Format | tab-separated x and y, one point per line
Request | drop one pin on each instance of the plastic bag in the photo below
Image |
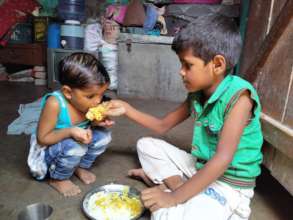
108	54
93	37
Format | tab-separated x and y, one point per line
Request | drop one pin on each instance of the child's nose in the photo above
182	71
97	101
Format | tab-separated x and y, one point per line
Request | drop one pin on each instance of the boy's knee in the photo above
145	145
101	137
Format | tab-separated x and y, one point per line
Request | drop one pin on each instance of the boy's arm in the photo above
159	125
47	135
229	140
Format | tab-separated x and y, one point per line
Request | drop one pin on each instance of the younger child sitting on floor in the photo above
69	143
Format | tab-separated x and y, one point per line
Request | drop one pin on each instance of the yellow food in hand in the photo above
98	112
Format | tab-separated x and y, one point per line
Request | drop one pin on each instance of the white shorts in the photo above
219	201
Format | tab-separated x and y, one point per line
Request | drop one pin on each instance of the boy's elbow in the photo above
162	129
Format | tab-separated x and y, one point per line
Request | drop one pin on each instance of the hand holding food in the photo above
116	108
97	113
106	122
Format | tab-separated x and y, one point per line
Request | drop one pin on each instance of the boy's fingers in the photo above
111	113
112	105
149	190
154	208
144	192
149	203
146	196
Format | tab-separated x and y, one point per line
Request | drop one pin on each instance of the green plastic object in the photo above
48	7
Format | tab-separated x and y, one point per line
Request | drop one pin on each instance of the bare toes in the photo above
85	176
135	172
65	187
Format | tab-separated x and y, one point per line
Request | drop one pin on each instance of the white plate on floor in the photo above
110	188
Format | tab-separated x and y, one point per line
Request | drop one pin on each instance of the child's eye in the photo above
189	65
90	96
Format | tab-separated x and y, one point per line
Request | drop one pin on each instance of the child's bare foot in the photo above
85	176
65	187
139	173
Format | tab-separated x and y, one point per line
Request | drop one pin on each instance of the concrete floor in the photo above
18	189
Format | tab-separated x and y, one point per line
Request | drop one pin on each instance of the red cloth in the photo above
13	12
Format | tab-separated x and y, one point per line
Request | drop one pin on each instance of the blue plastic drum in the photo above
71	10
54	35
72	36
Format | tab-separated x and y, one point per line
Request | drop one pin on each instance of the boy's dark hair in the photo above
80	70
209	36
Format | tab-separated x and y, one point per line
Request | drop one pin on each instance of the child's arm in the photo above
47	135
229	140
159	125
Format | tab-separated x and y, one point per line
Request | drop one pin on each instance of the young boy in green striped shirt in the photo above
216	179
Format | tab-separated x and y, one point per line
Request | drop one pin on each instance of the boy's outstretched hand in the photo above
154	198
116	108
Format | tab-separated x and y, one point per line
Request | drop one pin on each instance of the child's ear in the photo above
219	65
66	90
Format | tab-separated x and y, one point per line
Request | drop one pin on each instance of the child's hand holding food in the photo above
107	122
